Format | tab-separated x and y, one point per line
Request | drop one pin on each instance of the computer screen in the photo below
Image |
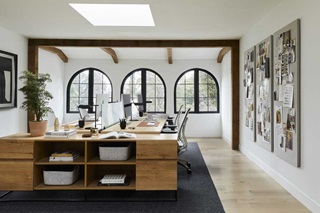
101	99
126	100
140	102
111	113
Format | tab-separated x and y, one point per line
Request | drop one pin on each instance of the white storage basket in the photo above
60	175
114	151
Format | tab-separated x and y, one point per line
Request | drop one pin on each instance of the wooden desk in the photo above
152	166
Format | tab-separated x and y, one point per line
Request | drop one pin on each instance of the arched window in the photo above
197	89
83	87
148	83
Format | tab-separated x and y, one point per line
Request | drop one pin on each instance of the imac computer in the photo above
101	99
111	114
126	100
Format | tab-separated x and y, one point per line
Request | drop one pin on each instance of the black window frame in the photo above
90	87
196	91
144	86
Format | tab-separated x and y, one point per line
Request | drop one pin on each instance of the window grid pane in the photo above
154	89
206	97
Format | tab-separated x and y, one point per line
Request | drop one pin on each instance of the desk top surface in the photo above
151	124
78	137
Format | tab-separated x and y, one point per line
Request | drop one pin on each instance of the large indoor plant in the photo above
36	100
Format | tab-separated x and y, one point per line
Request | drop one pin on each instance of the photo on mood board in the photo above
291	120
289	144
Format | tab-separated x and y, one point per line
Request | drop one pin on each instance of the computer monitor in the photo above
101	99
126	100
140	102
111	113
134	112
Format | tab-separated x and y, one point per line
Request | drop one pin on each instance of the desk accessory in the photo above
81	123
56	124
86	135
123	123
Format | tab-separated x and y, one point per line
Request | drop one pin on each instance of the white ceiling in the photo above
174	19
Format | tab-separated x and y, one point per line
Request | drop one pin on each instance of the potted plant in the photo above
36	100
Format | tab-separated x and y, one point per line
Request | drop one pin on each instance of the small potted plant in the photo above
36	100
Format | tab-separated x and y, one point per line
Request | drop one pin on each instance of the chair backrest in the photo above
177	118
182	140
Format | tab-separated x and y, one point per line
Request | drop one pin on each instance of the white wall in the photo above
302	182
52	64
13	120
225	87
199	125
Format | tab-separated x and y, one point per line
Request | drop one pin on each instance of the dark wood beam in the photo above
235	94
222	52
33	65
56	51
132	43
169	55
112	53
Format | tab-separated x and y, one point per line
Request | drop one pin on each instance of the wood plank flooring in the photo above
242	186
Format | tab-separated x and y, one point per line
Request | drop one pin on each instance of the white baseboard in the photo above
226	139
285	183
202	135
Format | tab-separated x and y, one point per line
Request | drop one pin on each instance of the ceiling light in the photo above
116	14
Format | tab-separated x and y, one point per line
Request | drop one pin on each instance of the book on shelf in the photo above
54	158
63	154
116	135
61	133
113	179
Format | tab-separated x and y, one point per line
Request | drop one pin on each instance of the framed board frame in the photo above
286	93
8	79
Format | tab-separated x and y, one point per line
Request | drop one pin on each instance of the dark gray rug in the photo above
196	193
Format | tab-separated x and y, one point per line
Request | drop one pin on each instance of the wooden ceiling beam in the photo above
222	52
112	53
169	55
56	51
132	43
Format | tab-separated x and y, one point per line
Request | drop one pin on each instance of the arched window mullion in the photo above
196	91
144	87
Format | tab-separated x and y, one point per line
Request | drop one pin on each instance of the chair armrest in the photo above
171	126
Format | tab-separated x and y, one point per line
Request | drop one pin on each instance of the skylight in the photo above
116	14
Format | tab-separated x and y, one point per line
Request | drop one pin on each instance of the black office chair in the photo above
174	123
183	143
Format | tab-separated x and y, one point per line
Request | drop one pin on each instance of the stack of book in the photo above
64	156
113	179
60	133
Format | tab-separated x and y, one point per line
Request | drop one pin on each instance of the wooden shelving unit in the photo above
92	169
151	166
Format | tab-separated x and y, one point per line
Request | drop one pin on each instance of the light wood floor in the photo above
243	186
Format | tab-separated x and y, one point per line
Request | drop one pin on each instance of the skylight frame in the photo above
125	15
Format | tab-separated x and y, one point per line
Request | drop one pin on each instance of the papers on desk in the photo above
60	133
151	123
